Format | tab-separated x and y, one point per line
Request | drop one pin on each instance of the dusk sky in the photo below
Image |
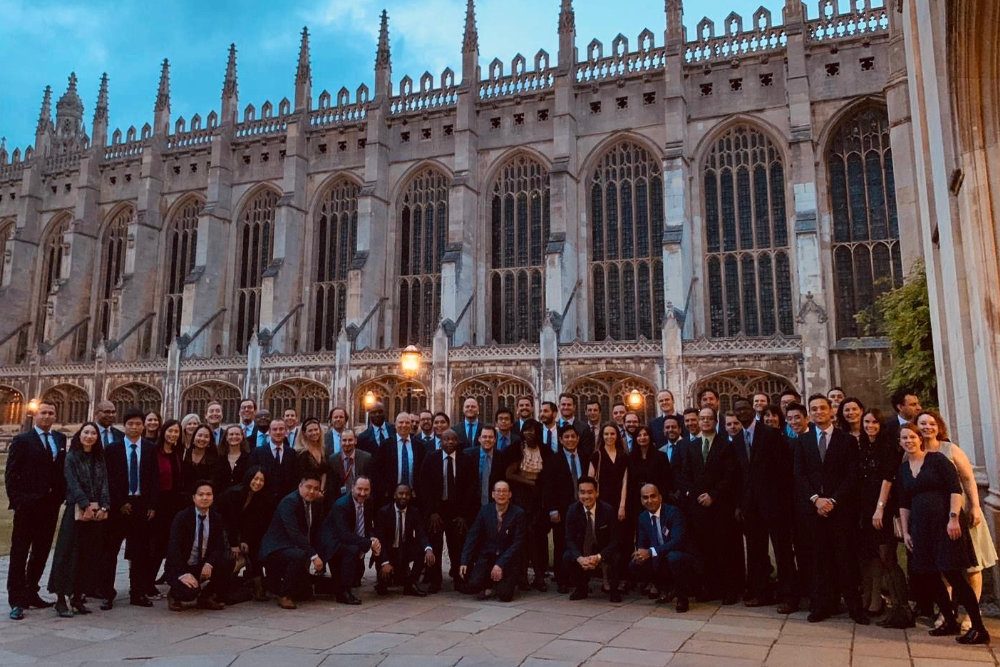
42	41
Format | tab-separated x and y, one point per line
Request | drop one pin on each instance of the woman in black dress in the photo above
311	457
246	510
609	466
171	498
75	563
234	459
647	465
200	461
930	507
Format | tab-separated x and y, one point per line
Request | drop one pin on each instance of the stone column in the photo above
440	389
550	381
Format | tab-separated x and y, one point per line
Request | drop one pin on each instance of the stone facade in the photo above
288	252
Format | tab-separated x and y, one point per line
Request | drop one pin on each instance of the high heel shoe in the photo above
974	636
78	606
61	609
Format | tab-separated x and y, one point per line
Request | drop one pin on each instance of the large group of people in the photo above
763	504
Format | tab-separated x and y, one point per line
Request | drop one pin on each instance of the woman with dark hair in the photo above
849	416
647	465
609	466
878	464
151	425
930	510
171	498
773	416
312	457
246	511
75	565
523	463
201	460
234	458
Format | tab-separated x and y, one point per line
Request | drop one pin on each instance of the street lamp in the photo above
369	400
32	409
635	400
409	363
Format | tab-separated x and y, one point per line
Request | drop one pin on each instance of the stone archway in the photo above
196	398
307	398
136	395
741	383
610	388
71	402
393	391
492	392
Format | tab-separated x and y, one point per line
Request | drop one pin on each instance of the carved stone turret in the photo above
303	75
230	89
383	60
100	126
161	111
470	47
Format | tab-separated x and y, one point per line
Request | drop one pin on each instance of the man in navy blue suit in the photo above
36	488
664	552
277	460
348	534
591	540
494	547
290	548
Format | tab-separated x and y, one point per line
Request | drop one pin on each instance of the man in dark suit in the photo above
425	431
907	406
378	432
405	548
348	533
447	497
594	421
707	492
525	411
547	417
664	553
398	461
591	541
493	553
277	459
826	478
665	402
567	414
290	548
198	565
506	433
105	414
765	507
36	488
558	486
338	426
487	465
133	486
248	408
347	465
469	427
213	417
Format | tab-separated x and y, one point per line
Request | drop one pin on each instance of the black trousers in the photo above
758	530
288	573
834	563
673	569
454	536
168	504
136	531
407	565
559	567
216	587
580	578
537	542
720	543
479	577
30	541
347	566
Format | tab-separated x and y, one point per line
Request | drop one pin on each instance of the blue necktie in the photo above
503	442
50	443
469	430
405	467
133	471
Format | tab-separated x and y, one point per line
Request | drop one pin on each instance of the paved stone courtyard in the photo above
545	630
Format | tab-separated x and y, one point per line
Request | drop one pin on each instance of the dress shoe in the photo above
210	603
140	601
348	598
682	605
107	604
16	613
755	602
579	594
563	589
974	636
62	609
729	600
287	603
174	605
817	616
414	591
77	605
945	629
540	585
36	602
525	586
787	608
615	595
484	594
434	588
860	617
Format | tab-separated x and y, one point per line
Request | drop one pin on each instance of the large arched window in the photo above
136	395
52	256
606	389
307	398
395	393
492	392
196	398
182	242
11	406
746	233
866	254
626	222
112	269
423	228
71	402
336	242
256	243
519	230
741	384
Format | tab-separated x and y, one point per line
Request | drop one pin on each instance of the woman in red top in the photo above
171	499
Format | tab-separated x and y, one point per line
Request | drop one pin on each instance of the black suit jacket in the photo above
506	544
461	499
556	482
183	533
673	524
366	440
513	438
149	474
385	469
765	474
385	531
31	474
715	476
280	479
117	435
605	530
496	472
835	477
458	426
339	528
656	426
289	528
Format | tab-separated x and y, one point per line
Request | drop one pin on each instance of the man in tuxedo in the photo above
425	433
525	411
618	412
487	465
36	488
665	403
906	404
567	413
493	553
290	549
550	428
347	465
765	507
405	548
664	553
277	459
448	500
338	426
133	487
198	566
348	534
397	462
707	488
105	413
469	426
591	541
378	432
506	434
674	442
558	487
213	417
826	479
248	409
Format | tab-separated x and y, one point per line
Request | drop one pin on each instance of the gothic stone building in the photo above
707	210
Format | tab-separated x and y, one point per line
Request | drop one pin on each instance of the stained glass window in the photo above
256	243
519	230
182	242
866	253
52	255
336	243
112	270
626	261
749	290
423	229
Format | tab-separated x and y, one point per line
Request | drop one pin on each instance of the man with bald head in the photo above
469	426
277	461
105	414
397	461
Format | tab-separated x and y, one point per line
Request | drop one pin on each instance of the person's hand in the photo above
824	506
435	523
877	519
621	513
150	514
317	563
100	515
188	580
462	569
908	541
496	574
376	546
954	529
206	571
705	500
641	555
386	569
977	516
554	516
429	560
126	509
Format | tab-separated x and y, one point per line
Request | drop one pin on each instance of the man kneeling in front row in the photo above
664	552
591	541
405	548
197	566
494	547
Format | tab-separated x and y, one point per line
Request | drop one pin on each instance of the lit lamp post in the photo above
26	423
409	364
369	400
634	400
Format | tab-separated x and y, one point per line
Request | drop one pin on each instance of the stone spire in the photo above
567	35
383	60
100	129
675	24
3	150
470	40
303	75
45	117
567	17
161	111
69	111
230	91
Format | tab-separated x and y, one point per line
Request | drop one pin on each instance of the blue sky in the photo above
42	41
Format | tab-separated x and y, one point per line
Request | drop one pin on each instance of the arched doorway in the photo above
196	398
610	388
395	392
492	392
136	395
307	398
741	383
71	402
11	406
